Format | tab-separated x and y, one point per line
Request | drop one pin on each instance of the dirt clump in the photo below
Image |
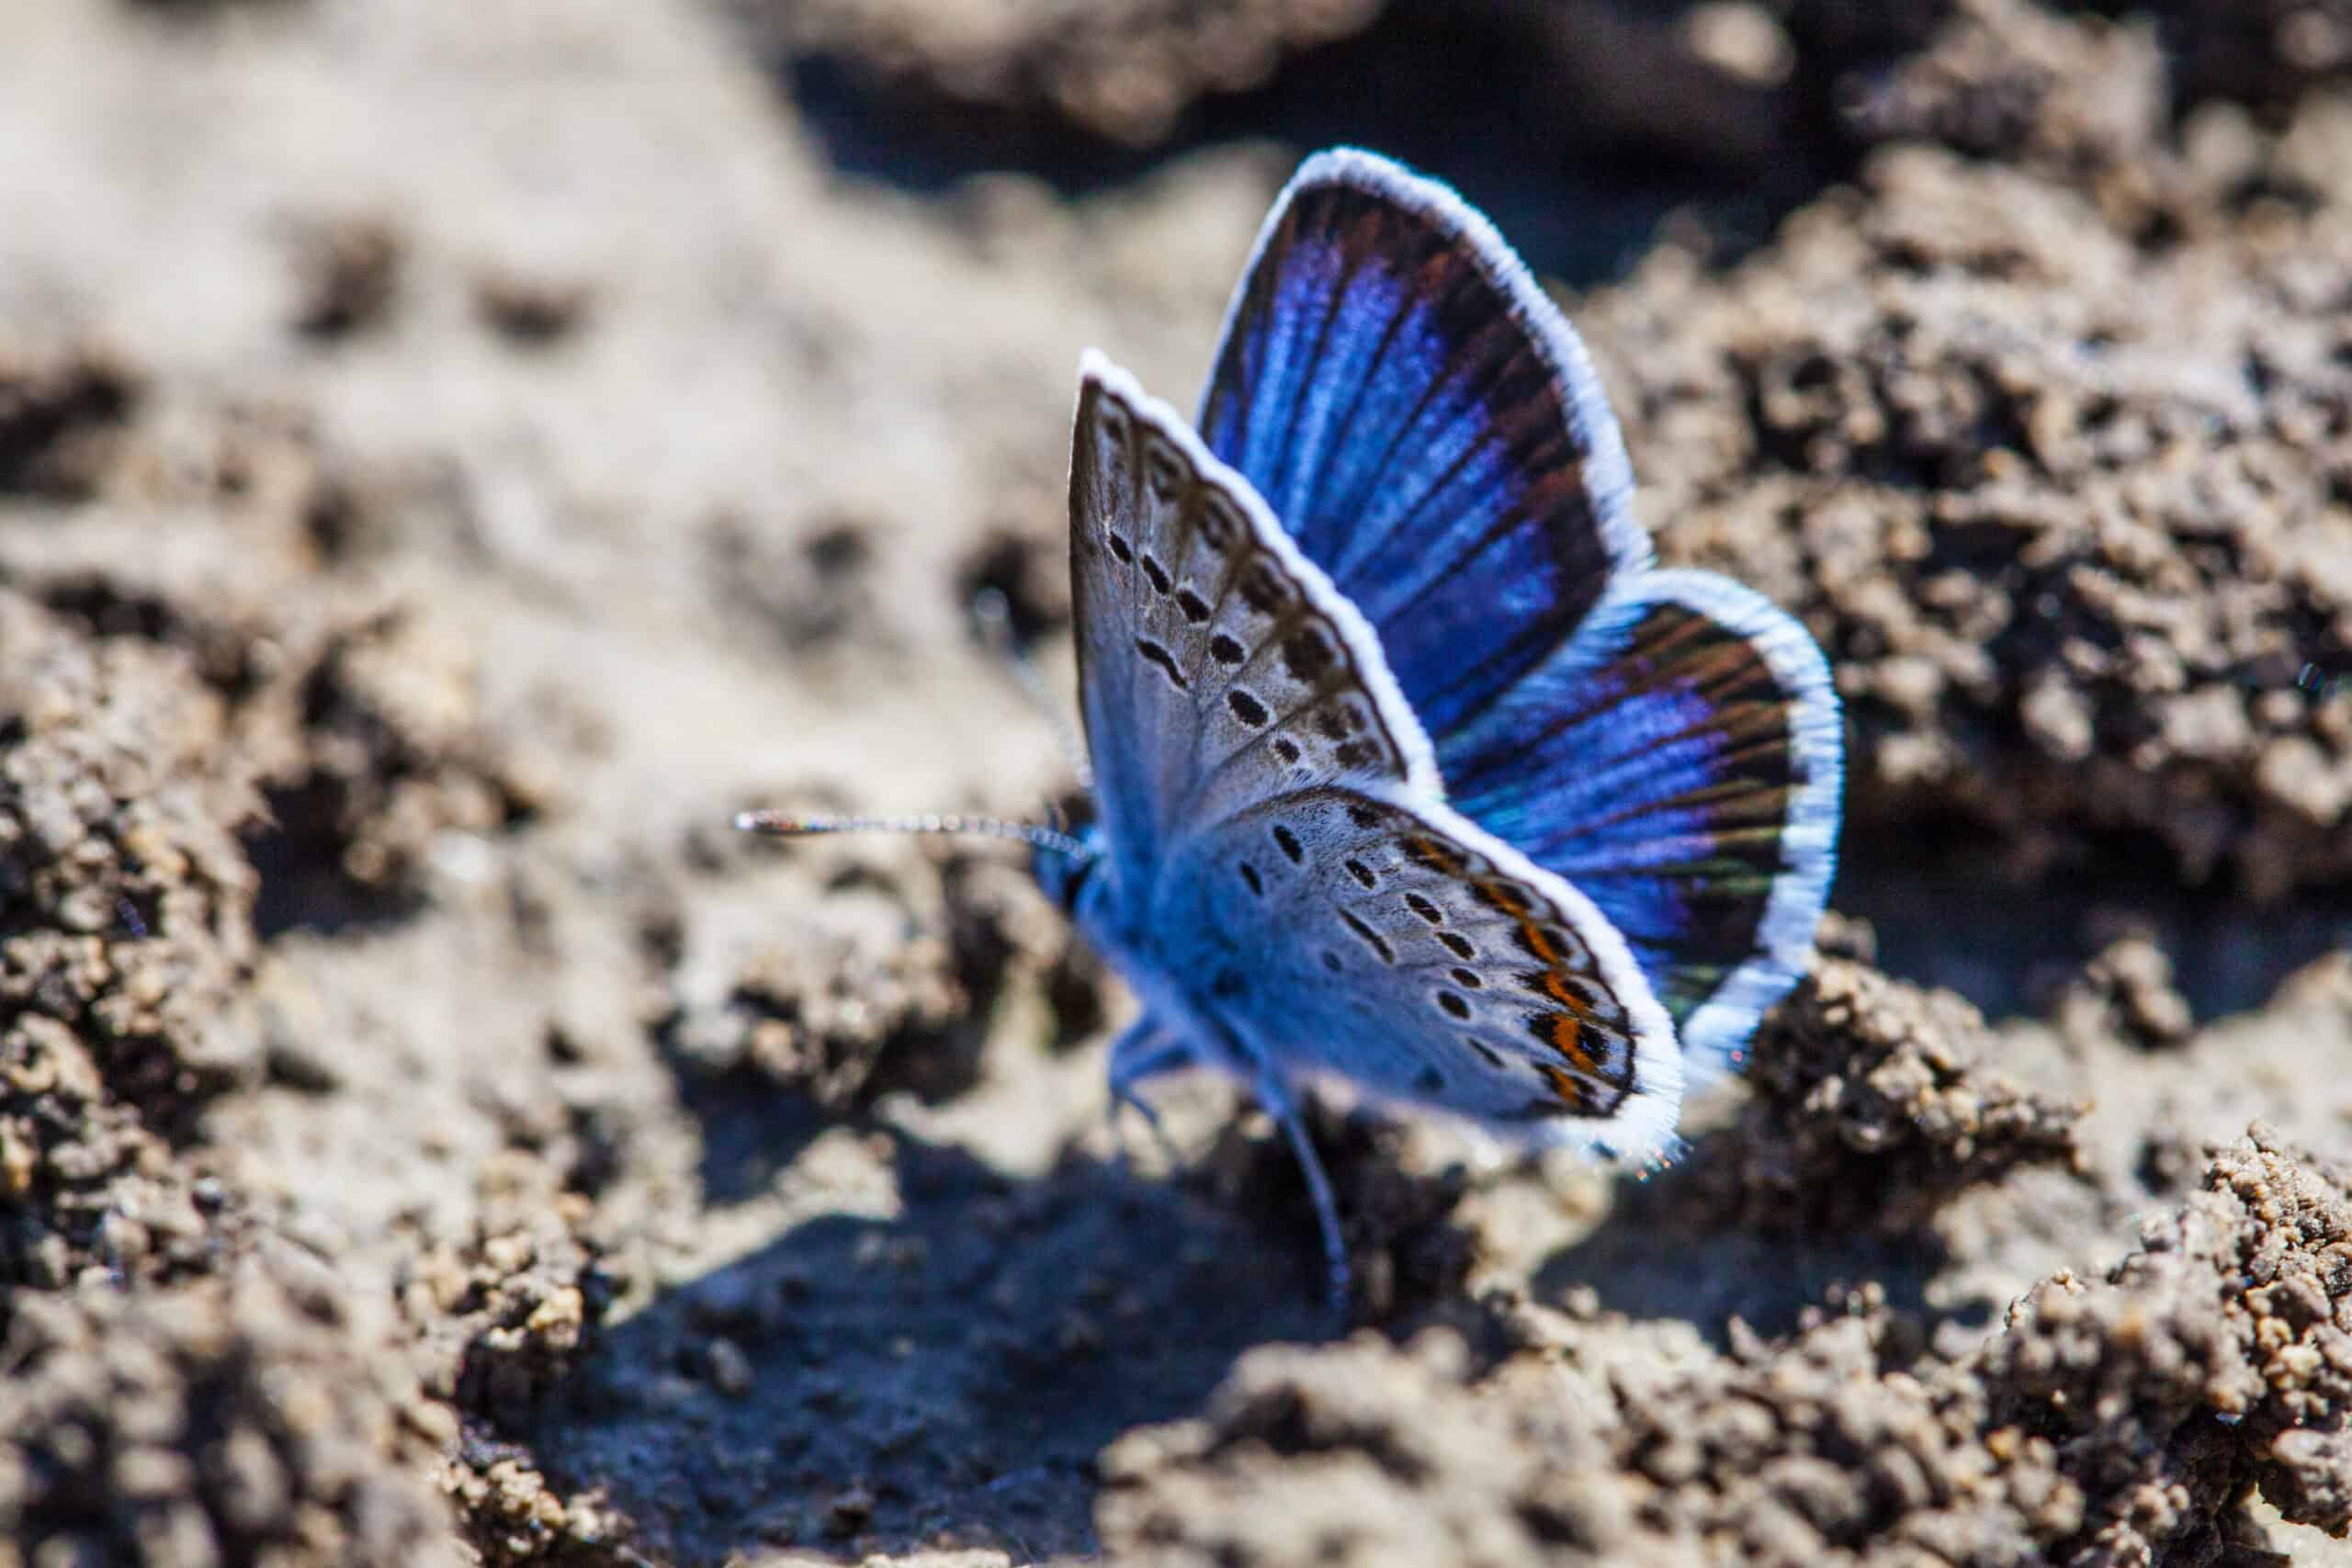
61	414
1874	1103
2105	1421
130	901
248	1417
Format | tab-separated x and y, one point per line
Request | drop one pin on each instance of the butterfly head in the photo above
1065	869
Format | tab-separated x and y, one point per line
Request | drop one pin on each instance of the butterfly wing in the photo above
1426	425
1255	762
1396	943
1681	763
1215	662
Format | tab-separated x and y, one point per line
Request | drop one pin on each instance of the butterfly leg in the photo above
1275	1095
1145	1049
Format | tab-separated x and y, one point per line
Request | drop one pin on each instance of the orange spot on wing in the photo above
1572	1093
1428	853
1557	986
1566	1034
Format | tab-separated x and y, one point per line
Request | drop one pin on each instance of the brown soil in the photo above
454	458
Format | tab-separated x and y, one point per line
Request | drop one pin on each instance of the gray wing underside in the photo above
1397	945
1216	663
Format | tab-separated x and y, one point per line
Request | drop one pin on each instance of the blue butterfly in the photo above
1410	768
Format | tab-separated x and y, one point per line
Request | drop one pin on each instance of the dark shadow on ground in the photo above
1579	175
1944	916
1655	1256
751	1131
863	1385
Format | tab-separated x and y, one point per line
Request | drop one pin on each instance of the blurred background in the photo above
454	455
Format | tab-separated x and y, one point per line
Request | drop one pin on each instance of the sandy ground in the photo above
452	457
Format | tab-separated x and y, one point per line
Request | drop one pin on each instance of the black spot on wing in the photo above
1287	841
1195	608
1249	875
1306	654
1164	660
1247	709
1264	586
1372	939
1225	650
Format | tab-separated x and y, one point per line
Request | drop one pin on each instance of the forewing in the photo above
1681	763
1217	664
1396	944
1426	425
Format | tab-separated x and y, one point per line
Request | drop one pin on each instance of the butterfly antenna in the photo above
992	615
786	824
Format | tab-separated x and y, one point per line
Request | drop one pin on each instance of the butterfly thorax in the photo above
1186	975
1065	876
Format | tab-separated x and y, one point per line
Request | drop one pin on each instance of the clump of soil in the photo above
60	416
503	1316
1874	1104
127	950
891	987
243	1418
349	270
2107	1420
2212	1359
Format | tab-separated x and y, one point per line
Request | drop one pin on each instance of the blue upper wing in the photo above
1681	763
1425	424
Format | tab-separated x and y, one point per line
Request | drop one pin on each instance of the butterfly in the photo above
1409	767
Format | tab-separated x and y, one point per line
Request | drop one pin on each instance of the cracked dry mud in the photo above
452	459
